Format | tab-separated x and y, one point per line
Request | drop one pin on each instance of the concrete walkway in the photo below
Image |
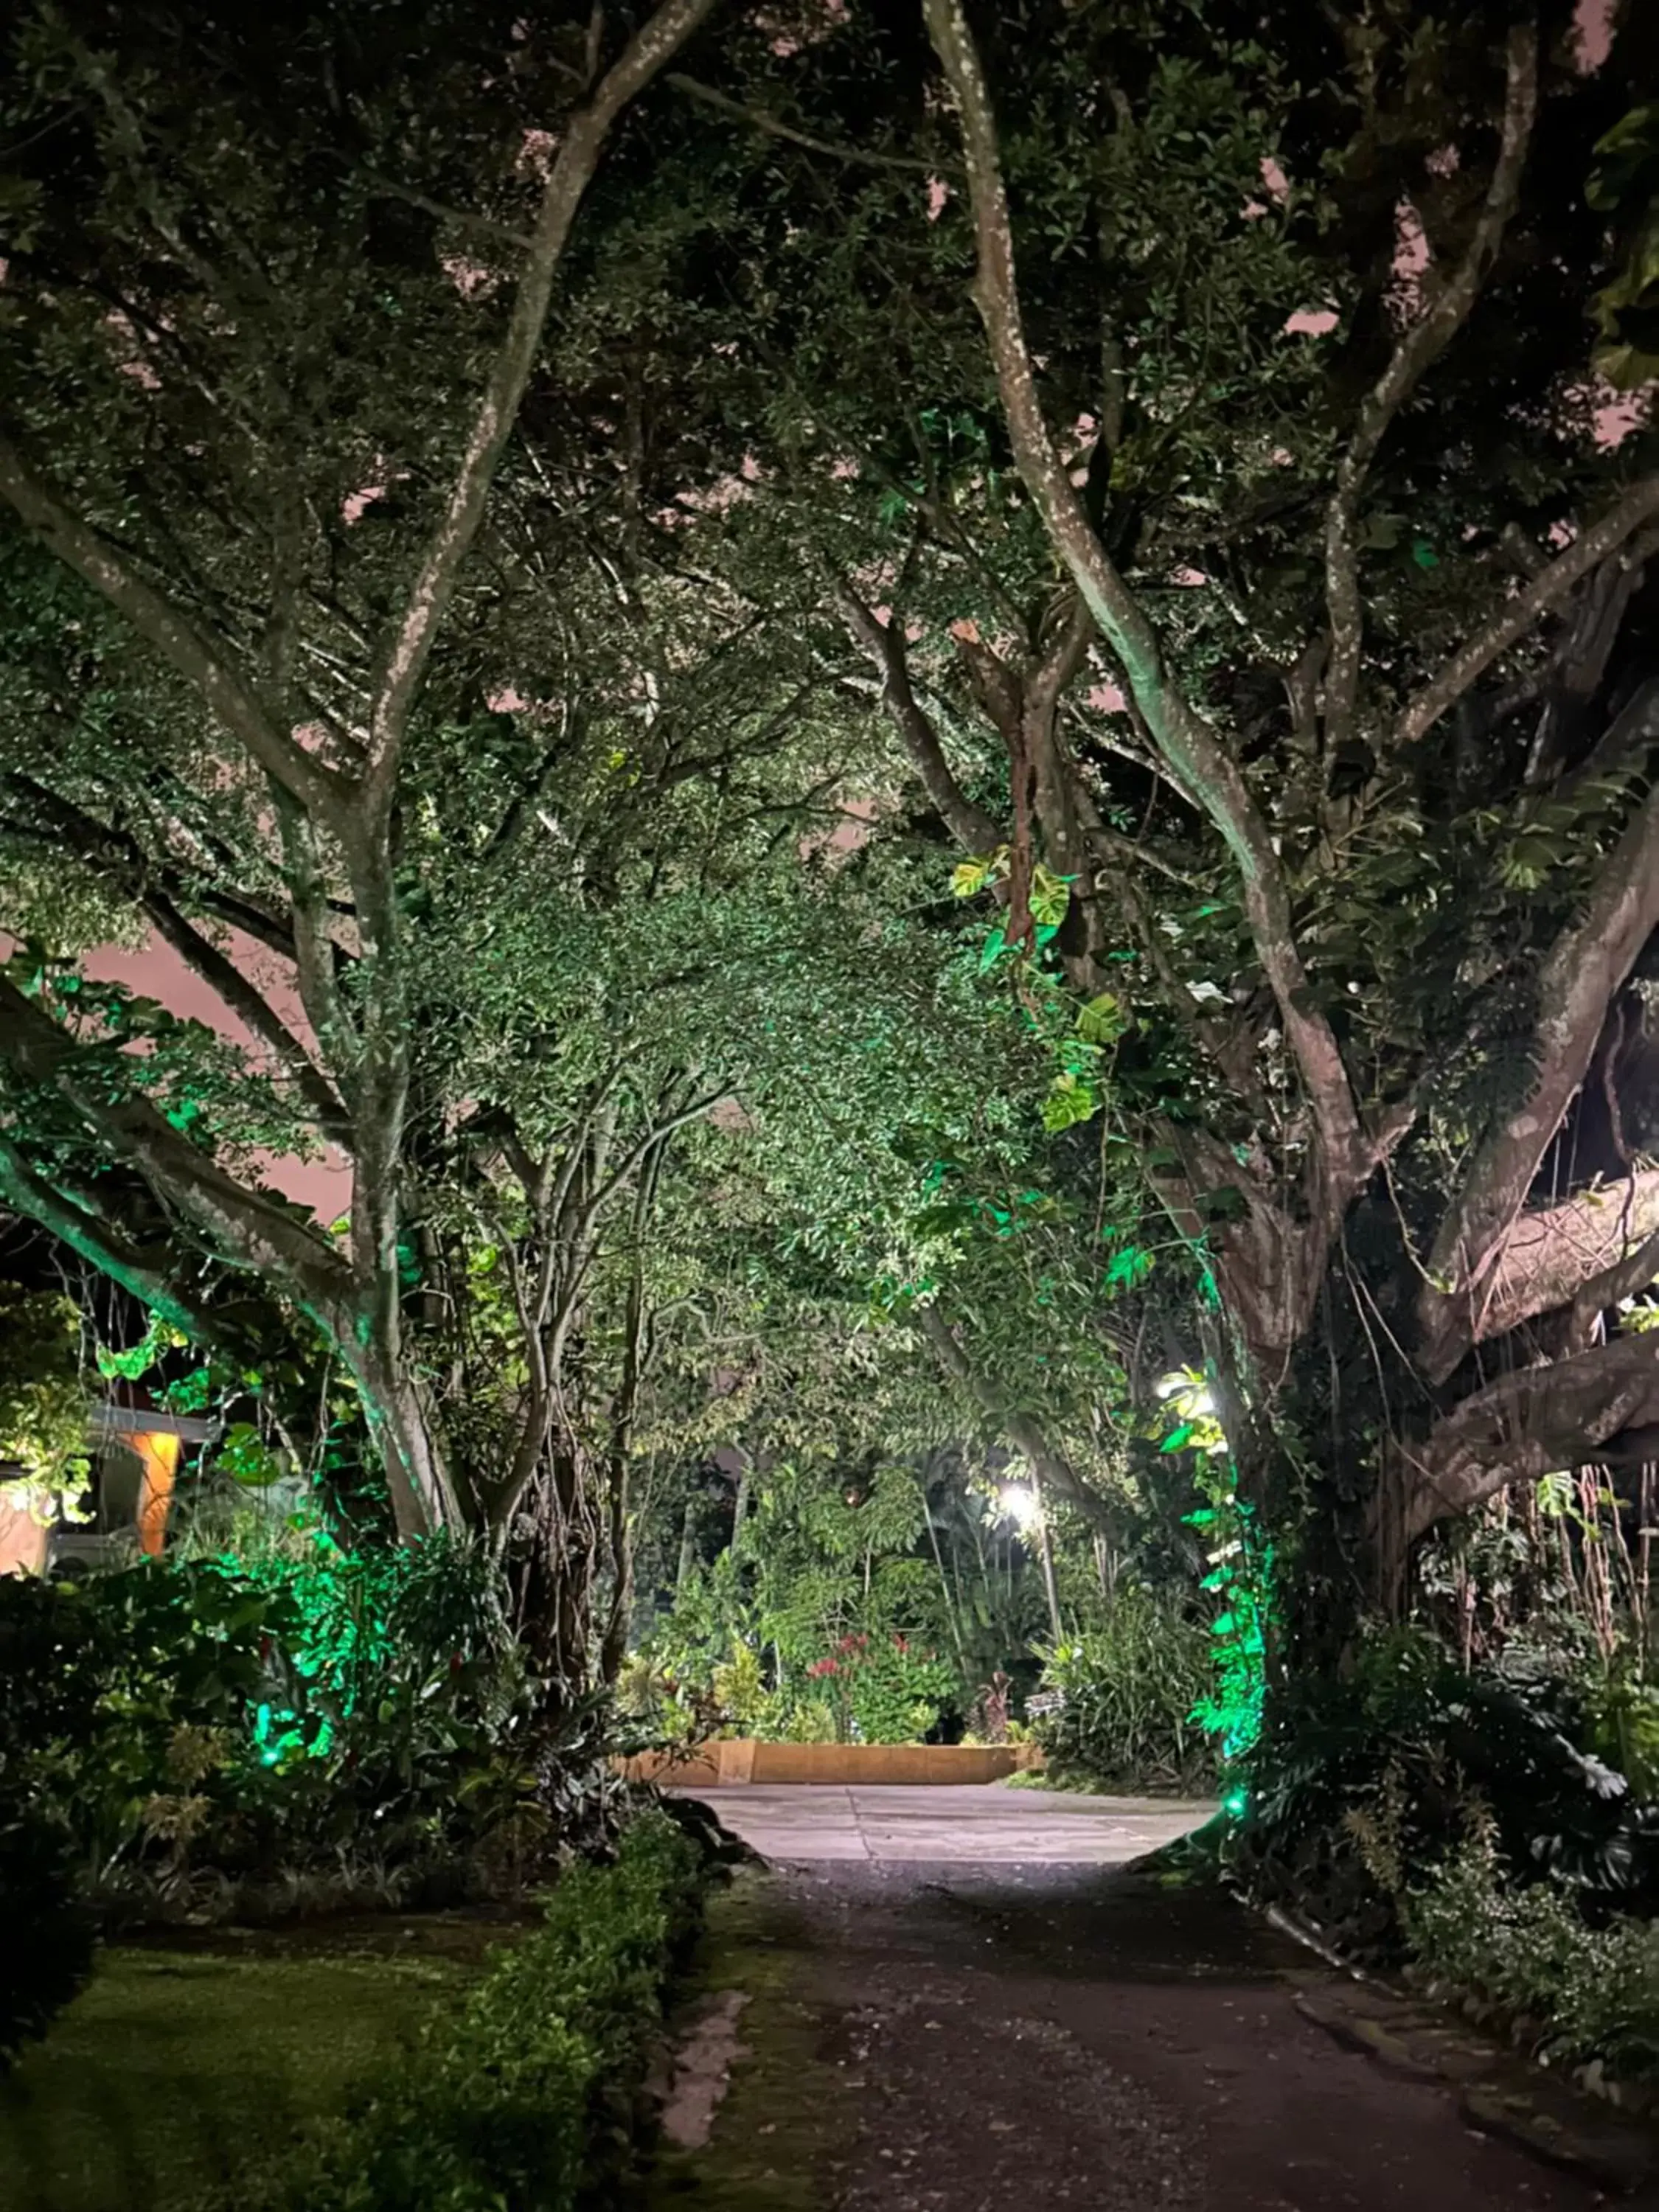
961	1824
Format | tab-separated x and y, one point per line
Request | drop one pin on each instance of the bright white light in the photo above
1200	1404
1019	1504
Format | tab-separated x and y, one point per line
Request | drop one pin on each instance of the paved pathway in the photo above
948	1824
961	2000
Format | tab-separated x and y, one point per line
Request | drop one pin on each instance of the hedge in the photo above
521	2100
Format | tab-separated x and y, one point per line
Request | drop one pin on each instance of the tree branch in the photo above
1632	730
312	949
1589	962
884	645
206	663
470	218
647	1147
1054	1469
435	580
1530	1424
251	1230
1511	621
1634	1272
758	119
1419	348
107	1249
117	857
1199	761
1557	1257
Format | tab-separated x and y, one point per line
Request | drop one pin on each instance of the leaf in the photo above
1103	1021
1178	1438
1129	1267
993	949
1628	155
1071	1100
1050	896
969	877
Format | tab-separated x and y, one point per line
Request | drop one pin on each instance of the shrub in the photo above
1385	1767
1127	1691
1586	1995
517	2102
48	1693
199	1736
885	1689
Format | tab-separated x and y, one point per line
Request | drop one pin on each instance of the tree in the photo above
302	692
1262	619
1499	1263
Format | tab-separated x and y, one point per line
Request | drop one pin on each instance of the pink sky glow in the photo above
156	971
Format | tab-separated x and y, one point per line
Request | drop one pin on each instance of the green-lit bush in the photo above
322	1728
1127	1691
517	2103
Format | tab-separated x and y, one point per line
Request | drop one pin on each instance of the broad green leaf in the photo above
1104	1020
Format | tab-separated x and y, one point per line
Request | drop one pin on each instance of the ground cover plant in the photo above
521	2097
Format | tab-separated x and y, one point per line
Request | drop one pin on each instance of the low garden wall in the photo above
722	1765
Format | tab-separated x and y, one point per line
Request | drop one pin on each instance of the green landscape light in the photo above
1234	1803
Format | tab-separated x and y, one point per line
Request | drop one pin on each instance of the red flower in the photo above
902	1644
820	1667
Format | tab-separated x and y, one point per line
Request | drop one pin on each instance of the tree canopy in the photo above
961	695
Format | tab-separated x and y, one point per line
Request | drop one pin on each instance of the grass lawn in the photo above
175	2070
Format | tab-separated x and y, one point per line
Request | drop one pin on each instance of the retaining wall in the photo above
722	1765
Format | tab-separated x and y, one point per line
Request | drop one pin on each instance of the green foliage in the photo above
1526	1952
516	2102
884	1689
44	1466
217	1732
1240	1579
1624	186
1355	1780
1128	1689
1622	1709
739	1688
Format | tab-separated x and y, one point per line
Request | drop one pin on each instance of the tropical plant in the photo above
1588	1993
1119	1703
883	1689
1359	1782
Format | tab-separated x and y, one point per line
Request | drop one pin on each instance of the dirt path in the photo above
951	2037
